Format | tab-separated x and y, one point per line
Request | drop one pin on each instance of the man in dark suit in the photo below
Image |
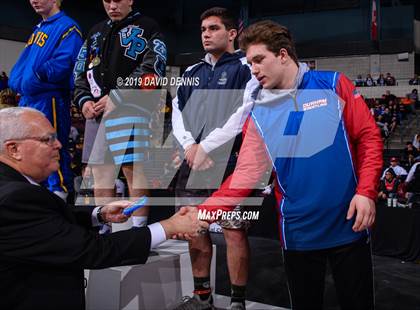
44	243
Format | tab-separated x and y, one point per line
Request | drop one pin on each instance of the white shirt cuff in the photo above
157	233
95	221
206	147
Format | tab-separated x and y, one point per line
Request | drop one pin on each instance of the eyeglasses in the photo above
49	139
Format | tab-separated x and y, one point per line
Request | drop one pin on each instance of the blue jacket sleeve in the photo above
61	64
16	74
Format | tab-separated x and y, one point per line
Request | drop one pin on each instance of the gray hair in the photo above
11	125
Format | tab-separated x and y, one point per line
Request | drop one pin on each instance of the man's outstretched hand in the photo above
112	212
184	224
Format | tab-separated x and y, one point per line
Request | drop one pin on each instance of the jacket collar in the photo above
52	18
226	57
133	14
267	96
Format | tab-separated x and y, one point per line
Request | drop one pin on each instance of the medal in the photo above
96	61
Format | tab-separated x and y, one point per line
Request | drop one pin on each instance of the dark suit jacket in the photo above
45	245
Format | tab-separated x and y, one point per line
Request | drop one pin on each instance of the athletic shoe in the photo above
195	303
237	306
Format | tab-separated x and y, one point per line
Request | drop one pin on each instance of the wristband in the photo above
99	215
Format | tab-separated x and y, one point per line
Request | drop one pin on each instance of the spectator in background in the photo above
369	81
359	82
416	141
382	109
415	97
408	104
4	81
376	110
382	126
404	112
389	185
381	80
413	185
388	97
391	103
399	171
7	99
412	170
415	80
372	109
389	119
396	112
411	160
410	150
396	109
390	80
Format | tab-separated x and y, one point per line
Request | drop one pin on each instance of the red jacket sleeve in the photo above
252	164
364	138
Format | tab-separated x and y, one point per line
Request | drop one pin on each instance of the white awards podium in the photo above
158	284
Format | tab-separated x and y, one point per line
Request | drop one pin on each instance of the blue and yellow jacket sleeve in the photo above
63	58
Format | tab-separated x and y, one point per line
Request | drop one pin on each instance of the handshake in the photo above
182	225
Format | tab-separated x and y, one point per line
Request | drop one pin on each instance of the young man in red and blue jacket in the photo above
43	75
317	133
